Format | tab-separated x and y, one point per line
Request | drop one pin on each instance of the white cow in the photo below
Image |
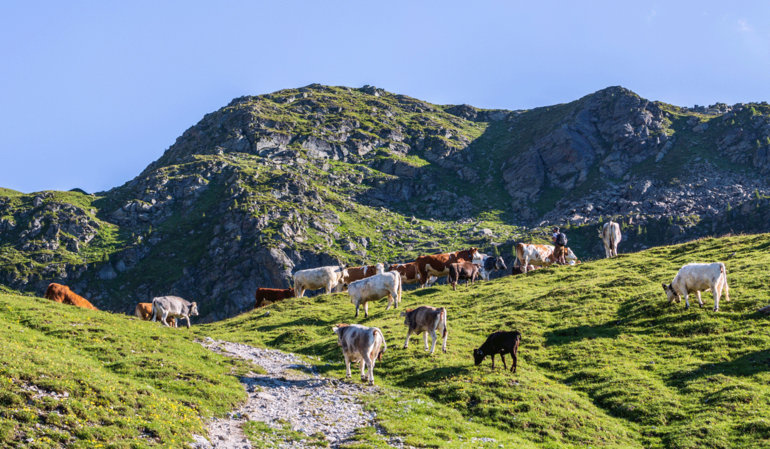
540	255
375	288
360	343
699	277
167	307
328	278
610	235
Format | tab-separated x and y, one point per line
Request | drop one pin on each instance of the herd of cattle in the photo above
372	283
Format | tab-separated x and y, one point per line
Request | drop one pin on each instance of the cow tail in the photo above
519	256
384	347
155	311
443	321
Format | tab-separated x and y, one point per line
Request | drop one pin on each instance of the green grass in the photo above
128	383
605	361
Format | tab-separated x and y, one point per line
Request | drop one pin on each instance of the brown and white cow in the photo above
438	264
462	270
143	311
375	288
63	294
409	273
360	343
540	255
610	235
362	272
424	320
272	295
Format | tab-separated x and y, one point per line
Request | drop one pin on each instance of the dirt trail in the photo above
293	395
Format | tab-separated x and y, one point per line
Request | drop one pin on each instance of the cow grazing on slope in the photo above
329	278
375	288
409	273
272	295
63	294
143	311
360	343
463	270
424	320
164	307
502	343
488	264
699	277
610	235
540	255
438	264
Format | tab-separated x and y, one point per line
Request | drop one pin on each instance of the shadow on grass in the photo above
433	375
747	365
578	333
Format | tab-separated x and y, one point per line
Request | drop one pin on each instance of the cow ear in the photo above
665	287
335	329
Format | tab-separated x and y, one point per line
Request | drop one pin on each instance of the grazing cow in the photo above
173	306
144	312
328	278
360	343
540	255
438	264
520	270
502	343
610	235
375	288
699	277
488	264
63	294
462	270
272	295
424	320
409	273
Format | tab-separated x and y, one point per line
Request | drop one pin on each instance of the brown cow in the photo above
272	295
144	311
462	270
409	274
63	294
358	273
438	264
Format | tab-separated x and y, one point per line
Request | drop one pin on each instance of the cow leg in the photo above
727	289
493	361
686	300
515	357
366	310
390	300
502	356
697	295
187	317
433	341
347	367
357	305
364	365
526	264
443	329
717	293
163	319
369	363
408	334
425	339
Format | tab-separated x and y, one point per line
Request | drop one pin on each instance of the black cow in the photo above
502	343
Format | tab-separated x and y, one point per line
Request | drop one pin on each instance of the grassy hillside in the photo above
605	361
83	379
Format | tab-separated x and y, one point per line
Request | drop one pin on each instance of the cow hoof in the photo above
444	350
686	307
405	346
371	383
700	305
716	309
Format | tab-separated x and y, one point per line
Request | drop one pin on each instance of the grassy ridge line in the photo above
605	361
128	383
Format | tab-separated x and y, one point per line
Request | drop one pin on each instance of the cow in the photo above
699	277
360	343
462	270
409	273
438	264
63	294
540	255
424	320
164	307
272	295
610	235
375	288
328	278
488	264
144	312
499	342
520	270
362	272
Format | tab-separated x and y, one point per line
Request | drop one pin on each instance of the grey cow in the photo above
173	306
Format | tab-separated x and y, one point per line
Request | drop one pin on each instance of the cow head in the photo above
670	293
500	264
194	309
478	356
338	330
407	315
379	268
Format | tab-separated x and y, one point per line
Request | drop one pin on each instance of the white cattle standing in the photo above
375	288
699	277
166	307
360	343
610	235
328	278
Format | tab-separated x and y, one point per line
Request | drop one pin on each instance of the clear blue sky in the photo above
92	92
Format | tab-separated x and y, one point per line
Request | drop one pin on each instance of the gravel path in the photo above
291	395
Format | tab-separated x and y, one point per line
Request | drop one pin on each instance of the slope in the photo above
605	361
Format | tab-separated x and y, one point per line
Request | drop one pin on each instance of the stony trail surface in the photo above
290	394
